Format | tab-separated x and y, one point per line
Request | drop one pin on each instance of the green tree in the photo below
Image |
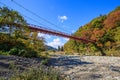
10	18
58	48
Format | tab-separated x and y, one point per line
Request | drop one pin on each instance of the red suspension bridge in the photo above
53	32
57	33
44	30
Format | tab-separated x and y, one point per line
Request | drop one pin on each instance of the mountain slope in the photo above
105	30
50	48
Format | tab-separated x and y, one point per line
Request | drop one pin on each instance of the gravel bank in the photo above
88	67
74	67
9	63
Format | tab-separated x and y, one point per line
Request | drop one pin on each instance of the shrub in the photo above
4	47
42	73
4	53
45	61
68	53
30	53
24	52
14	51
44	54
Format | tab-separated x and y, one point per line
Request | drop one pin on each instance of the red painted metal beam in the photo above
57	33
53	32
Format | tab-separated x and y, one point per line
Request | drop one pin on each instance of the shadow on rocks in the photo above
66	61
4	65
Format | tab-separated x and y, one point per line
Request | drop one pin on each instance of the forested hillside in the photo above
18	40
105	30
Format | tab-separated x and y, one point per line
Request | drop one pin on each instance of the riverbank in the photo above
88	67
72	67
9	63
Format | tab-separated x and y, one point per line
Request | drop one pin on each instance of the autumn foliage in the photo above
105	30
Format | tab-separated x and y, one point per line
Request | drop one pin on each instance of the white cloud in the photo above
44	35
55	43
62	18
73	31
66	39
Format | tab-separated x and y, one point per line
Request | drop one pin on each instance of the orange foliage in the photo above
100	45
87	34
97	33
112	20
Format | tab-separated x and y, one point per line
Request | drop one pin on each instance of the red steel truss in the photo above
57	33
53	32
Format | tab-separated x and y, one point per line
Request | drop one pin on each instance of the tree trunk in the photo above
100	49
10	30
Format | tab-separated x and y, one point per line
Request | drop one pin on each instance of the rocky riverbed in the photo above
88	67
73	67
10	63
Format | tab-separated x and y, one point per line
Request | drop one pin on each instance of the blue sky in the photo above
68	15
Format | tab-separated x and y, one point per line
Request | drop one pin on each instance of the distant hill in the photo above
105	30
50	48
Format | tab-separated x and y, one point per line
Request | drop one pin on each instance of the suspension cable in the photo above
37	15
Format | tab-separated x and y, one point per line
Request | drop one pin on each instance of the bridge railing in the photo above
48	29
53	32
